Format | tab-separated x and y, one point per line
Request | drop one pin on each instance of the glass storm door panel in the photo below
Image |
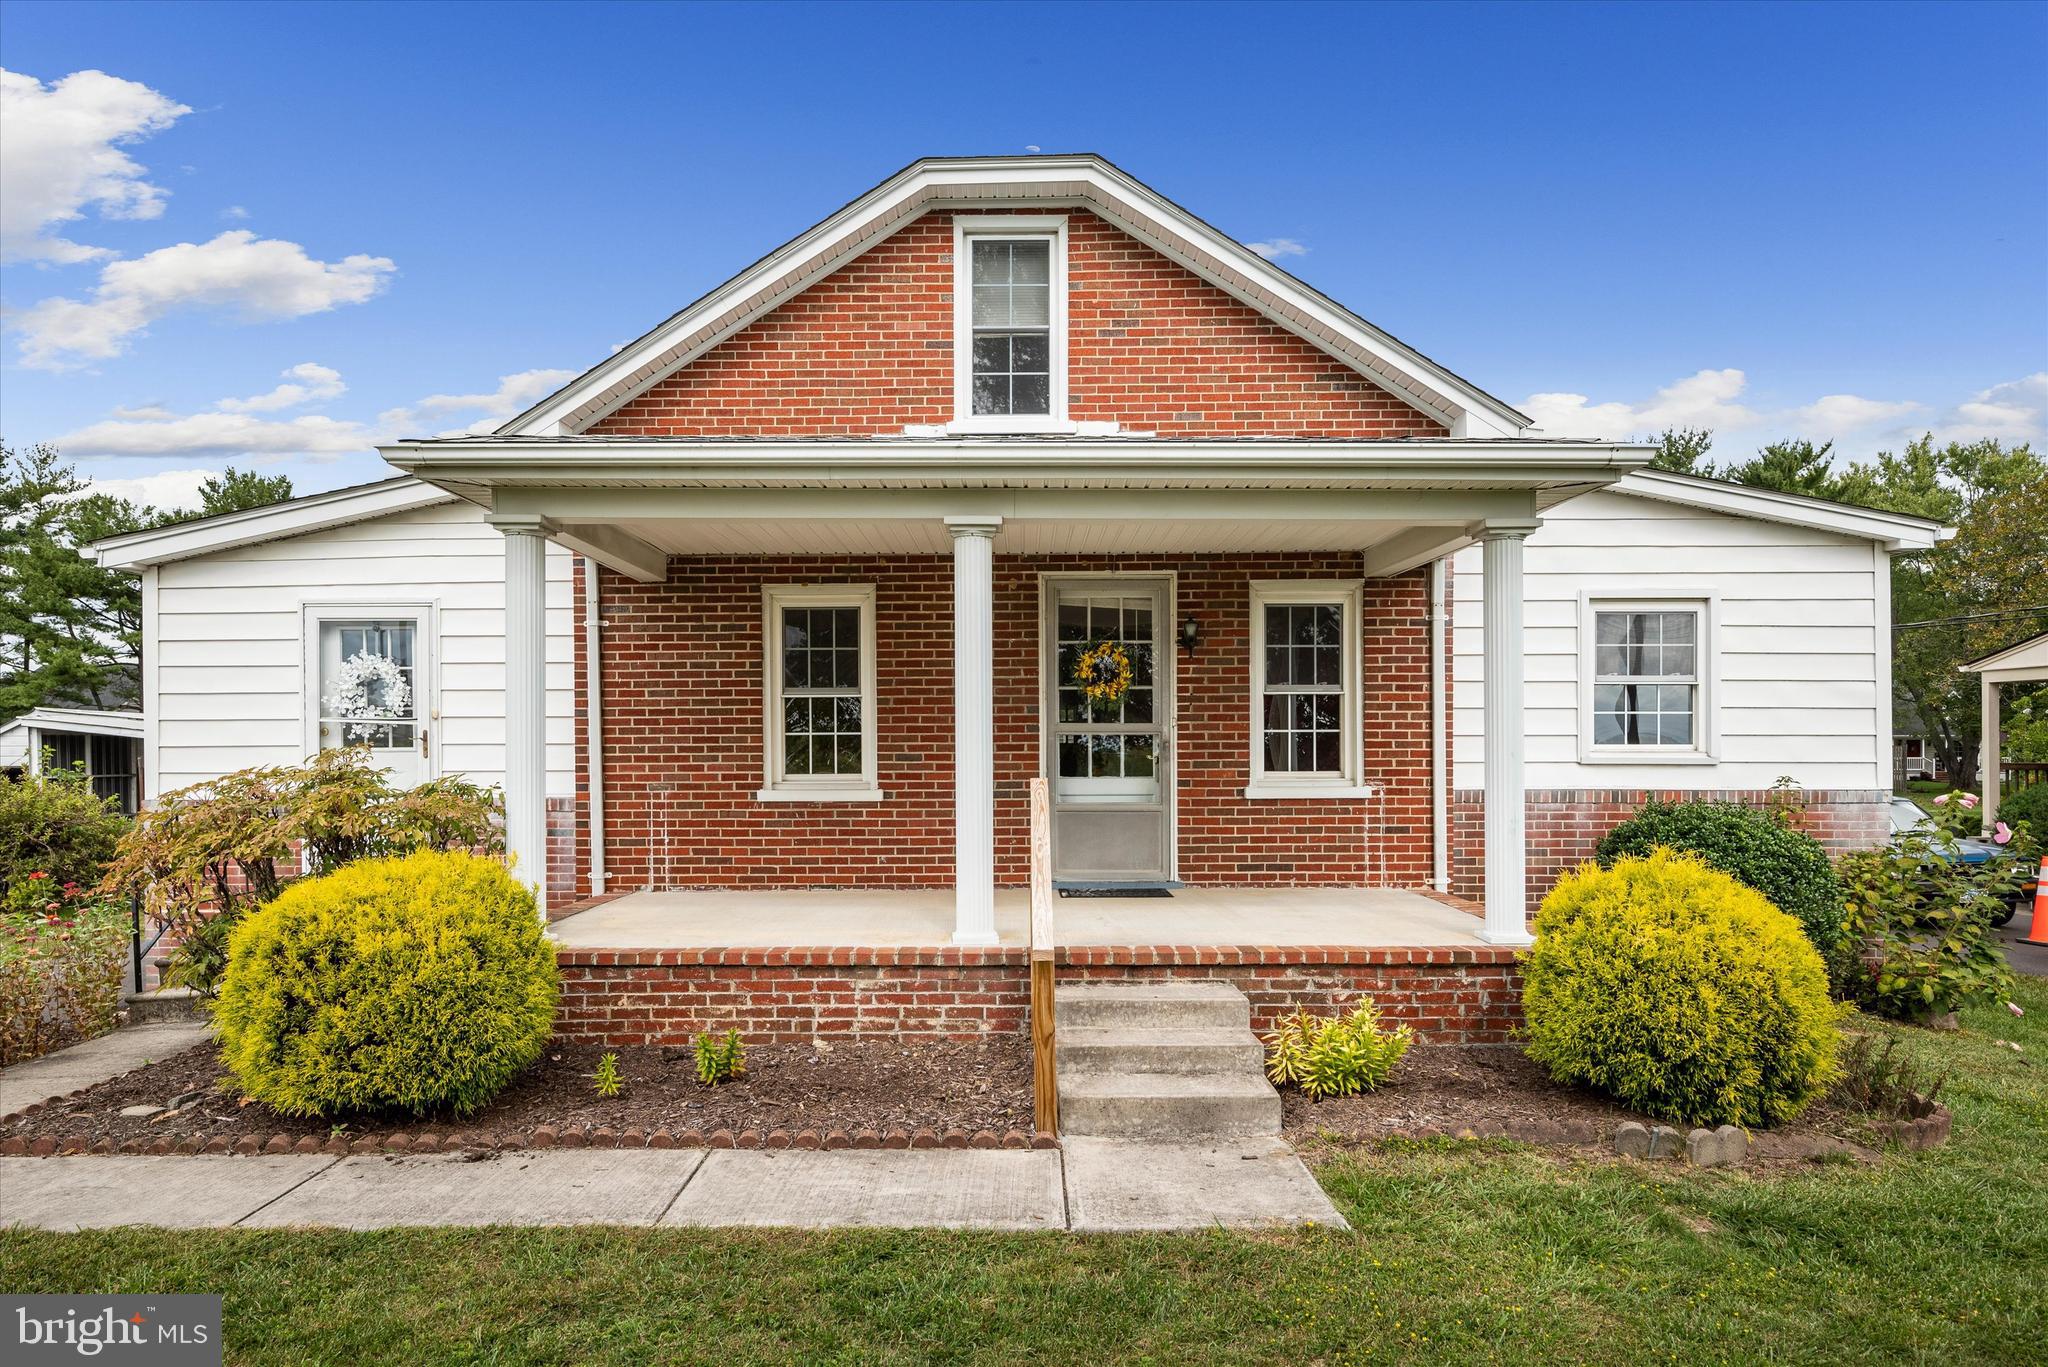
371	679
1109	760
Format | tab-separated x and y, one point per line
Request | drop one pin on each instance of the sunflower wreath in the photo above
1103	674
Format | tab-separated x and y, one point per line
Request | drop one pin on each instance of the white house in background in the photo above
1765	613
107	743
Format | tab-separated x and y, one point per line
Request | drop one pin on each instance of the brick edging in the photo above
539	1137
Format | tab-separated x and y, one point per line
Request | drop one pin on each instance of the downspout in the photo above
1439	736
593	711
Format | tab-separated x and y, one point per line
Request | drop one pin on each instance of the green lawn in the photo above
1459	1255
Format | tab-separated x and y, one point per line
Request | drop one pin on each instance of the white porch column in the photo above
1988	751
974	729
526	708
1507	847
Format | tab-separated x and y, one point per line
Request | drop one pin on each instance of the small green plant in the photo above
606	1079
720	1058
1335	1055
1876	1080
1923	923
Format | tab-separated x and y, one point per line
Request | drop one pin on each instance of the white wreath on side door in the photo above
368	689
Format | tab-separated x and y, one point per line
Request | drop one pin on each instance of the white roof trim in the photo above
293	517
1086	181
2028	656
1896	531
81	720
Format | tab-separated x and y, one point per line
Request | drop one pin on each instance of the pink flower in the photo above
1969	800
1941	801
2002	833
2014	1007
39	874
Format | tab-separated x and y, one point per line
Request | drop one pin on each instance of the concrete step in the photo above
1138	1049
1159	1006
1168	1106
165	1005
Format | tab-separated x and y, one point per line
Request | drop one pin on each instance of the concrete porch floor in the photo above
900	917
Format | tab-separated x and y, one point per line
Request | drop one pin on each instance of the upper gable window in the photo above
1010	324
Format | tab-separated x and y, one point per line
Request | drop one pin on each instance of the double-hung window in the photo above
1647	673
820	715
1010	323
1305	689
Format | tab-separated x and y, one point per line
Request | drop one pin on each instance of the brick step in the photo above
1173	1106
1130	1049
1154	1005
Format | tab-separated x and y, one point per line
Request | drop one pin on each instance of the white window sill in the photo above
1012	426
1287	792
1645	754
821	795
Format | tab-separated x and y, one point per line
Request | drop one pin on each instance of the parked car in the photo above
1909	816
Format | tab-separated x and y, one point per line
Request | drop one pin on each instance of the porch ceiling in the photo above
1372	917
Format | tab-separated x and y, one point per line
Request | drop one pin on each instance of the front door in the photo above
1110	755
370	680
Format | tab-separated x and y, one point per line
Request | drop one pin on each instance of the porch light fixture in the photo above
1190	633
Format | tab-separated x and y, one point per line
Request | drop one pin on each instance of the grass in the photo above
1459	1253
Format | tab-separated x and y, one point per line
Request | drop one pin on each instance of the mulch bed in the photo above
869	1094
1496	1092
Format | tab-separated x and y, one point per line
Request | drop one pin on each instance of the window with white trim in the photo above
1009	314
820	688
1648	676
1305	688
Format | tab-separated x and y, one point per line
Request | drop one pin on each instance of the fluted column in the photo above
974	730
526	710
1507	844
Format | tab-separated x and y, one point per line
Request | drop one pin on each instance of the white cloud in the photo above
1705	399
60	155
176	490
234	213
306	383
514	395
2015	411
1277	248
237	272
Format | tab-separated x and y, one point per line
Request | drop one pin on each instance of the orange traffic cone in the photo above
2037	929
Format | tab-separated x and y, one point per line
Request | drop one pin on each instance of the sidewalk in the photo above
82	1065
1090	1185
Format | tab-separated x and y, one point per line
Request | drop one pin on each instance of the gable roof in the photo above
1896	531
271	522
1082	180
2030	654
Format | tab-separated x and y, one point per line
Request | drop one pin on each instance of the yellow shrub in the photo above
1679	991
411	984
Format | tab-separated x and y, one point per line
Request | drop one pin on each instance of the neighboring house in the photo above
107	744
2023	662
1911	759
859	514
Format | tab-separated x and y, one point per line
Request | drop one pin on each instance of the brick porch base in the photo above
1451	995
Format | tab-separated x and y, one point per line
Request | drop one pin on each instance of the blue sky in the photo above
1775	220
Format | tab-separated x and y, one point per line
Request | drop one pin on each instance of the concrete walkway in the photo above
82	1065
1091	1185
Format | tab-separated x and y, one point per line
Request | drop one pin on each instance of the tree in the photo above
69	630
234	491
1792	467
1683	451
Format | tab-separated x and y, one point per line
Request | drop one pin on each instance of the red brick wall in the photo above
1151	345
682	699
623	997
1565	825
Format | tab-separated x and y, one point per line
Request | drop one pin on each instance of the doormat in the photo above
1115	892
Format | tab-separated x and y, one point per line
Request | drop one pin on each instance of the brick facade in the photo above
1151	345
1565	825
666	996
683	731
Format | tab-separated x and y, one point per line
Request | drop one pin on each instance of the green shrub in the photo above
416	984
1755	848
720	1058
1922	925
1680	992
2029	805
60	974
1336	1055
54	824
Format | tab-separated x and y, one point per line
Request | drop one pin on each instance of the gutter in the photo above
1439	734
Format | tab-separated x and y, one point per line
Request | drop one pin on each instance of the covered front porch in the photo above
1193	917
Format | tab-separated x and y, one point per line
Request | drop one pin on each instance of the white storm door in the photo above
1110	765
371	685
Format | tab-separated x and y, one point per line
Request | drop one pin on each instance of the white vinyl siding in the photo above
228	654
1794	645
